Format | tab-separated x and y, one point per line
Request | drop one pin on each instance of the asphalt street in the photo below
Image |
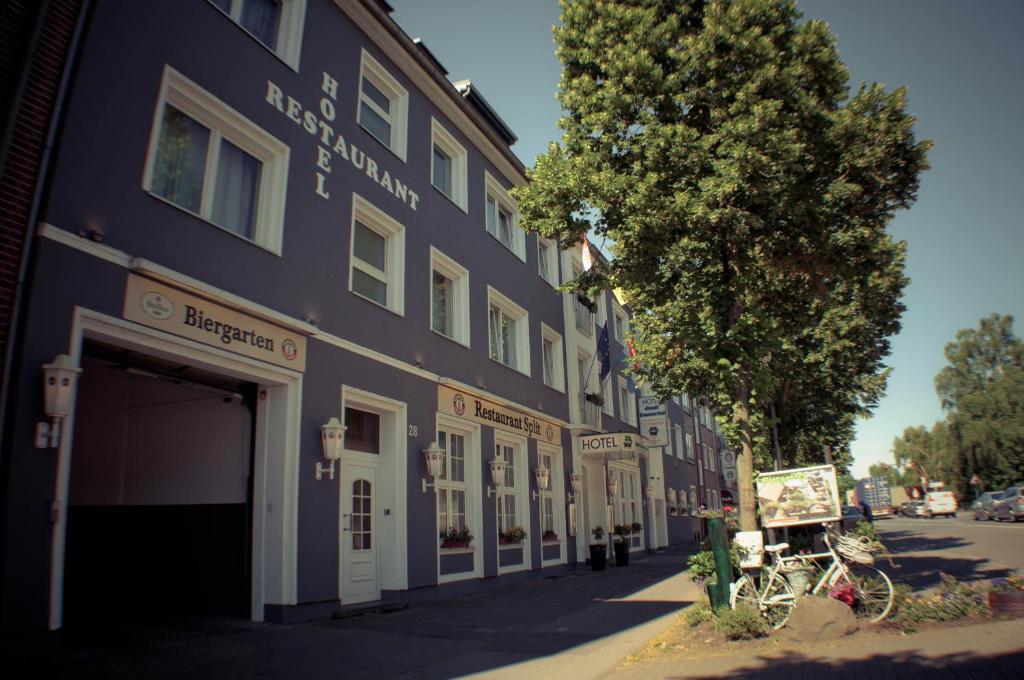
962	547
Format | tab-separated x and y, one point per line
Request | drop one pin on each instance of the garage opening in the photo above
159	517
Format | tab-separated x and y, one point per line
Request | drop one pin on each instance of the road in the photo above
960	546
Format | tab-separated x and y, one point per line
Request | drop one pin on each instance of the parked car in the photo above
1010	505
982	508
938	503
912	509
851	515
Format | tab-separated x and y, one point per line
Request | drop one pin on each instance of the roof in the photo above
473	96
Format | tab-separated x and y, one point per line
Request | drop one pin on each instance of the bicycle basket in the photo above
857	549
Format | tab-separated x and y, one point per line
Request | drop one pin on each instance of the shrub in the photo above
952	600
701	566
513	535
742	623
698	614
866	529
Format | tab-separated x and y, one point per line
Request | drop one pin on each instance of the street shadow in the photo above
901	665
906	541
922	572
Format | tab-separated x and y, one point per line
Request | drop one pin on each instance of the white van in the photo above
939	503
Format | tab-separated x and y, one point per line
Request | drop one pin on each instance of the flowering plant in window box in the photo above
636	527
595	399
549	535
621	531
513	536
456	538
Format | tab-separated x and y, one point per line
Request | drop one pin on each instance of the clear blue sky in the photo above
963	63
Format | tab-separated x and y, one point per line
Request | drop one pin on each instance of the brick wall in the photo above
31	121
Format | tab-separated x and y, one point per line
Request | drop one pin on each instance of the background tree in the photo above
746	194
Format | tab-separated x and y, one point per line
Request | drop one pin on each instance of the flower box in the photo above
1006	603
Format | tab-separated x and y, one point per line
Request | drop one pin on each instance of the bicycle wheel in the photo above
873	591
777	601
743	591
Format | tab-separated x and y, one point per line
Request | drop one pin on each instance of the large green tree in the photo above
930	455
982	391
746	192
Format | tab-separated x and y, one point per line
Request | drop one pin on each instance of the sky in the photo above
963	65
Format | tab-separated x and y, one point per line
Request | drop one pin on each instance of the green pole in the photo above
723	570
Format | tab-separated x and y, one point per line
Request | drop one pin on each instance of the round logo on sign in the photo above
728	457
289	349
550	433
459	404
157	305
627	442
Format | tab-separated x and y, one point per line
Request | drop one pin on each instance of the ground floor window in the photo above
452	491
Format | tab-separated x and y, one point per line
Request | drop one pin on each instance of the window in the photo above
690	455
700	475
607	405
626	414
678	432
551	349
448	165
627	508
451	484
378	256
449	297
502	220
207	159
681	501
508	325
712	454
547	503
621	325
685	401
383	105
362	431
547	260
507	517
693	500
277	24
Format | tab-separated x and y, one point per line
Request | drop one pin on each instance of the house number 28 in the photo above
414	431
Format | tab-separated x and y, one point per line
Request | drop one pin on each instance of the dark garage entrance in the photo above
159	516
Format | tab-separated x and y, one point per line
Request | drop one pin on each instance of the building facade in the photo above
312	359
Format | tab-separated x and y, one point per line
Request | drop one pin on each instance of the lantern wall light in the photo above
434	457
576	482
613	488
59	379
542	476
332	436
498	468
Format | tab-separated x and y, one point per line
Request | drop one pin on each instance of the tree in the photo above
930	455
746	194
982	391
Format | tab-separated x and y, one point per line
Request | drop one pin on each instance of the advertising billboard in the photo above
802	496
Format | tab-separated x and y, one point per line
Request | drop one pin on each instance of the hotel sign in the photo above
613	446
168	309
468	406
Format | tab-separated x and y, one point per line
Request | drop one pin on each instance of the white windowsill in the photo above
458	551
509	546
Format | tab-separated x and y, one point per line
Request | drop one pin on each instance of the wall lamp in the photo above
332	434
59	380
498	468
613	488
576	482
434	455
542	476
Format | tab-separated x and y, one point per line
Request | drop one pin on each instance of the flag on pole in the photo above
588	258
604	352
631	350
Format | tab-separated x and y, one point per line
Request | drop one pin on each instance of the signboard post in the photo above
801	496
653	421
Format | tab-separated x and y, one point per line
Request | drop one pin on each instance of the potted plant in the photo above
456	538
549	535
1006	596
512	536
621	545
637	527
597	549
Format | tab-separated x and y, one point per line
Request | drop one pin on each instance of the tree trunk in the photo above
745	459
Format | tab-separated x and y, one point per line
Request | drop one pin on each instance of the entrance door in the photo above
359	532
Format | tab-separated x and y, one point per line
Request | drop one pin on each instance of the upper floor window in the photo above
554	371
626	412
621	325
209	160
547	260
362	431
507	325
383	105
277	24
502	219
689	447
448	161
377	270
678	436
449	297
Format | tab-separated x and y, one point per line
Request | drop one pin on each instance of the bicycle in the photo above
871	593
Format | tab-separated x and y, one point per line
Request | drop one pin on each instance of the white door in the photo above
359	533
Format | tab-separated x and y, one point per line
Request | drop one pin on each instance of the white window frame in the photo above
521	492
289	29
522	319
627	410
711	460
551	260
474	496
677	431
225	123
459	276
694	505
494	190
621	324
556	492
398	117
444	140
557	348
607	400
691	454
394	235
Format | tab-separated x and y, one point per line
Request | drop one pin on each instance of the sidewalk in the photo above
985	651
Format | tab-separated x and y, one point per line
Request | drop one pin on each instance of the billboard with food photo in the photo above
801	496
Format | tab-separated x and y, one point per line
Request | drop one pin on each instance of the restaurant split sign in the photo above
469	406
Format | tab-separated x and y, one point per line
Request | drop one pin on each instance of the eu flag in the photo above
604	352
